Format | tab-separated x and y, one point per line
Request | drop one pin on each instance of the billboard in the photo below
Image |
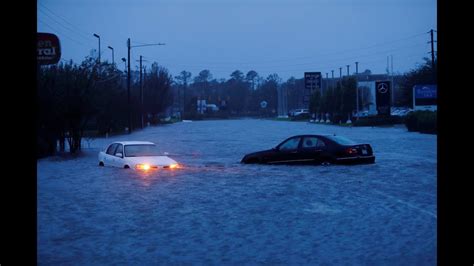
383	97
48	48
425	96
312	81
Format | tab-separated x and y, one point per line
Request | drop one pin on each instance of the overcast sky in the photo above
287	37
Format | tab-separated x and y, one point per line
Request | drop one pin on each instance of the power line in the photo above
65	27
62	34
322	54
62	18
338	57
279	66
365	63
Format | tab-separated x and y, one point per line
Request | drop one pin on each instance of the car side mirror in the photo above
119	154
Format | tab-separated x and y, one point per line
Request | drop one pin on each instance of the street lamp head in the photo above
123	59
95	35
110	47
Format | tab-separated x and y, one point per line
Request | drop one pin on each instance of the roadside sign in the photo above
425	97
382	97
312	81
48	48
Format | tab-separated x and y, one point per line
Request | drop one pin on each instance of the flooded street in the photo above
216	211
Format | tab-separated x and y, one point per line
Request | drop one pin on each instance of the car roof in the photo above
133	142
310	135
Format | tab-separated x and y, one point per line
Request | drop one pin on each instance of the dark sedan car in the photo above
314	149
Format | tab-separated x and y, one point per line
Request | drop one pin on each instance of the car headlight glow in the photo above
142	166
173	166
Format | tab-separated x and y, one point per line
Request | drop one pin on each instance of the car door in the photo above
118	160
109	157
311	149
287	152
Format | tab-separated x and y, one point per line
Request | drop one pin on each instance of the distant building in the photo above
363	79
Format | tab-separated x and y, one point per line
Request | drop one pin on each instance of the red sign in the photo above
48	49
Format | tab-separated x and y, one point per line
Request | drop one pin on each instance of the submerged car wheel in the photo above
326	161
101	163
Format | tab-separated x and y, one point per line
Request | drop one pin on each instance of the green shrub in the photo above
422	121
377	121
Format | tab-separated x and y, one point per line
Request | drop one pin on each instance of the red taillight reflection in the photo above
351	151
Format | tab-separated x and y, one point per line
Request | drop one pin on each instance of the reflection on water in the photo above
215	210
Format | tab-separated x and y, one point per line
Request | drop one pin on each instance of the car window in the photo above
111	149
312	142
320	143
291	144
119	149
141	150
342	140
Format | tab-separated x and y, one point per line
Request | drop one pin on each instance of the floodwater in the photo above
216	211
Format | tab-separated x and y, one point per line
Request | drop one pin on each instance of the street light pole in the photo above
113	61
124	63
327	82
332	78
357	91
98	37
128	90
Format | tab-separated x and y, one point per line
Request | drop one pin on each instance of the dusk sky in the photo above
287	37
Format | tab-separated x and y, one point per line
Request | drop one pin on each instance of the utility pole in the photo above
327	81
393	85
184	98
347	70
129	46
128	90
332	77
432	56
340	82
144	82
141	92
357	90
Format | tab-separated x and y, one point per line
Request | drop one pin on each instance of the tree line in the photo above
74	99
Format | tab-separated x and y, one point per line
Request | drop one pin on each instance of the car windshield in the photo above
141	150
341	140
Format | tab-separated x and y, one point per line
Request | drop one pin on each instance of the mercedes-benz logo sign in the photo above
383	88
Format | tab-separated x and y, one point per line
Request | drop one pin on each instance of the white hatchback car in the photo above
141	155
